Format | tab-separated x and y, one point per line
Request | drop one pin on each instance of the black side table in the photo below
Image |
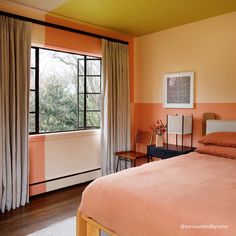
167	151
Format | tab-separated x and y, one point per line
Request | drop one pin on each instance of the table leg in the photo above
117	166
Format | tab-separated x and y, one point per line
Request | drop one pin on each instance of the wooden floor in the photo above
42	211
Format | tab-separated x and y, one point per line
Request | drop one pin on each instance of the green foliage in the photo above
58	107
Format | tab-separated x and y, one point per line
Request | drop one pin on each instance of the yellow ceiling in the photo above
139	17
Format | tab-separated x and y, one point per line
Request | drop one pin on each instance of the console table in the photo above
167	151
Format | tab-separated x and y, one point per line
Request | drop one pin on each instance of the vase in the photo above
159	140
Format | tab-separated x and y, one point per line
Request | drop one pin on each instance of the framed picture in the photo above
179	90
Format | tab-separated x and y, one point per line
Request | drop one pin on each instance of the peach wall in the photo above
206	47
72	152
62	154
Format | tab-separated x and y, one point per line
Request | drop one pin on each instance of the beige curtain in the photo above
115	110
15	43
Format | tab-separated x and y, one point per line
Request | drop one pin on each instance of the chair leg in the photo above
134	163
117	166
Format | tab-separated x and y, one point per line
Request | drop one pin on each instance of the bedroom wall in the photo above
57	155
61	154
208	48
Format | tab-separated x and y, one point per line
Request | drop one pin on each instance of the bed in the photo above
193	194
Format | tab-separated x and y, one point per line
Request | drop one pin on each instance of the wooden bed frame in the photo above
88	227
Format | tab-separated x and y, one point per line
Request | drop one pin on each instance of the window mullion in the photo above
37	90
77	93
85	92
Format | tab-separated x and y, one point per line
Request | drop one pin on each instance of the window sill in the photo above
65	135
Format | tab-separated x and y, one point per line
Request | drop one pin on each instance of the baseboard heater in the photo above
66	176
66	180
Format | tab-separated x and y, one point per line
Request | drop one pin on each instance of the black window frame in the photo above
36	112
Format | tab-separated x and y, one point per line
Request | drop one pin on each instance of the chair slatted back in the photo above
143	139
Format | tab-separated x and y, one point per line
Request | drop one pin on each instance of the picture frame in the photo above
179	90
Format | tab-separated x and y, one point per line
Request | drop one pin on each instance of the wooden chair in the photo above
143	139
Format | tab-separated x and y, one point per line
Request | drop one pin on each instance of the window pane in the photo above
62	91
81	101
93	119
93	101
32	79
32	101
93	84
31	122
81	84
32	60
81	119
81	67
58	91
93	67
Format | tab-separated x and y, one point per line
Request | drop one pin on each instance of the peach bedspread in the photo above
191	195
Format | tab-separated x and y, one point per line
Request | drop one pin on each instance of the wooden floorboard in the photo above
42	211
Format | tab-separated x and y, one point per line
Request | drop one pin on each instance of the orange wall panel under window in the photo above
37	164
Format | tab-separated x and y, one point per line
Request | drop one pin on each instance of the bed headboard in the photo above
220	126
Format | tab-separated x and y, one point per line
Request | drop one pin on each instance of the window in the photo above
65	90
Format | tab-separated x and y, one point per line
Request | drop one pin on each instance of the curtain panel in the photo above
15	43
115	103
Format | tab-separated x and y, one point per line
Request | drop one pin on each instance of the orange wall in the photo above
70	41
154	111
37	164
206	47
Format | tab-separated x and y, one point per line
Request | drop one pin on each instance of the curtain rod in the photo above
61	27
